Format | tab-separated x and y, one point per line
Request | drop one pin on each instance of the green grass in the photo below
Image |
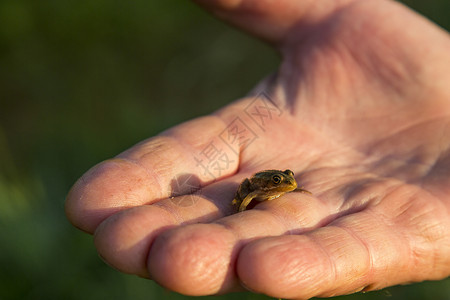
81	81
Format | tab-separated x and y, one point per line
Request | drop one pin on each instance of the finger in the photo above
200	259
369	250
173	163
270	20
124	239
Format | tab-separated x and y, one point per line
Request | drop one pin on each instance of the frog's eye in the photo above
289	172
276	179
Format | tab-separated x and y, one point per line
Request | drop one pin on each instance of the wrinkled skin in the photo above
365	126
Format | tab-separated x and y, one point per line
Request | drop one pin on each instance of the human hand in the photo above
359	110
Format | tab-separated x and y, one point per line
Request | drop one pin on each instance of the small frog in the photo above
265	185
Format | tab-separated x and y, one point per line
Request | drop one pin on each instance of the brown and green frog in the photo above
265	185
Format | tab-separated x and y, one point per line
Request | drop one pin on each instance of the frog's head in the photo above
277	181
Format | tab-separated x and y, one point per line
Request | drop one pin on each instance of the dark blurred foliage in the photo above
81	81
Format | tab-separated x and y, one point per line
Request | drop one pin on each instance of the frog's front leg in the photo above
302	190
246	201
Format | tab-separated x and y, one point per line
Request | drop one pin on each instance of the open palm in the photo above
359	110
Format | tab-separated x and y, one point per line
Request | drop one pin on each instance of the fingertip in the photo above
107	188
194	260
124	239
273	267
76	207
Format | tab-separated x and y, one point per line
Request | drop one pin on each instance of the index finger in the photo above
150	171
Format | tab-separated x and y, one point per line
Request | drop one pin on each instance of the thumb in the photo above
270	20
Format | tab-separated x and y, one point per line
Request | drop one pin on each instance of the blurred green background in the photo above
80	81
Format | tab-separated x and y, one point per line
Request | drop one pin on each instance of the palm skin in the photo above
361	115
